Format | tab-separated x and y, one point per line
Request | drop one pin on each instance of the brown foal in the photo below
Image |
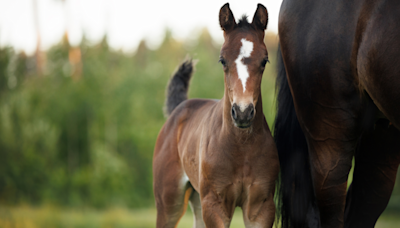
217	155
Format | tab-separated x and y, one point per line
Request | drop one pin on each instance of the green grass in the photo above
388	221
146	219
43	217
51	217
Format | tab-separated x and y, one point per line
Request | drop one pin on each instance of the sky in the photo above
126	22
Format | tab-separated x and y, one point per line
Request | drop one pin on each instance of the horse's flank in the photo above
333	51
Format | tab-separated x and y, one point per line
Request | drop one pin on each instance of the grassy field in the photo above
50	217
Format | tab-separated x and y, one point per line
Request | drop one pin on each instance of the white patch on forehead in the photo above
245	52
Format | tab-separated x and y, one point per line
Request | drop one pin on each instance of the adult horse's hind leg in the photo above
378	157
377	160
331	163
195	205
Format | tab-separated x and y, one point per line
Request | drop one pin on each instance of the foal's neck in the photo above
228	125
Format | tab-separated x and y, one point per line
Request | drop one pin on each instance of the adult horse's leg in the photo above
195	205
377	57
331	162
329	115
377	159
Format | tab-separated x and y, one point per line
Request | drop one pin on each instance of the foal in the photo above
217	155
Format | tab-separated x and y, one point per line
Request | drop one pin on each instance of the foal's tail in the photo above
297	205
178	86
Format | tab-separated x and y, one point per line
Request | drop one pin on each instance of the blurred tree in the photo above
40	57
88	140
5	55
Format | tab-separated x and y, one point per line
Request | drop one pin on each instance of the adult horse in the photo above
342	60
217	155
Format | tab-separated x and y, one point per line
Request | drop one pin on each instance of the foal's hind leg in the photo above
377	160
195	205
171	188
171	202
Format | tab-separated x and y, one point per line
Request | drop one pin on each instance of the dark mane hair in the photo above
244	23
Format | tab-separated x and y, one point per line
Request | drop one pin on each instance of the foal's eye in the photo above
264	62
222	61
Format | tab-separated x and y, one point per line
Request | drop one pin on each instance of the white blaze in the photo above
245	52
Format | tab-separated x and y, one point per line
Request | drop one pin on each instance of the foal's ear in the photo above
226	18
260	19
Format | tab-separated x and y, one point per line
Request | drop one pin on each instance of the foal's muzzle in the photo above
245	118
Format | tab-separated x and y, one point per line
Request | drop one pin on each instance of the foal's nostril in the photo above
234	114
251	113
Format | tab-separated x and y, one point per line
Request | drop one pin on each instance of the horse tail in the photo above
178	86
296	202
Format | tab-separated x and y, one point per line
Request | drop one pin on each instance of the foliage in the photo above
83	134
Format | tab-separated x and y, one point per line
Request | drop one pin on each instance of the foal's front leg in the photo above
259	207
216	210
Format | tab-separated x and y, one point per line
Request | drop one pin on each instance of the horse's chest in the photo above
236	184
